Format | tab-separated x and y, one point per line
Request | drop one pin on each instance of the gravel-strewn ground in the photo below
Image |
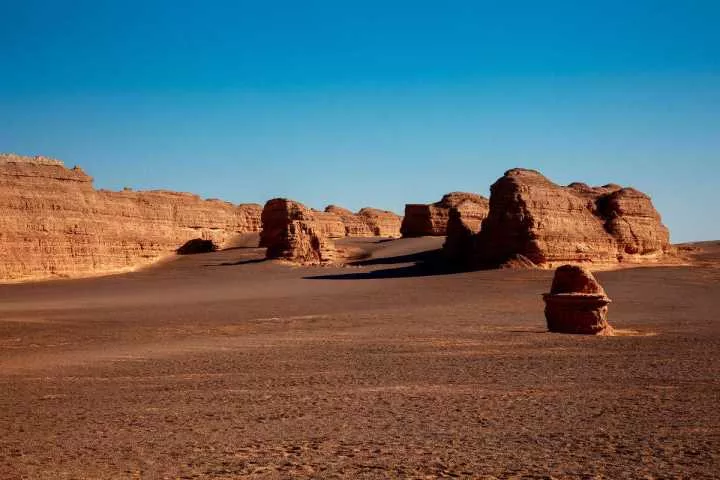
219	366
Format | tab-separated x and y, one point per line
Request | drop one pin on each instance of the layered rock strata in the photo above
55	224
464	222
548	224
292	232
423	220
368	222
577	303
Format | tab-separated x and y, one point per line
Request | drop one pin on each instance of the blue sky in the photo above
371	103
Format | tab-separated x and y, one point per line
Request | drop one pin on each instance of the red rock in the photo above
550	224
331	225
291	232
432	220
577	303
382	223
464	222
55	224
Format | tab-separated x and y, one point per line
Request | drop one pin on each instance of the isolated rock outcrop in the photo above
291	232
368	222
464	222
577	303
549	224
432	219
53	223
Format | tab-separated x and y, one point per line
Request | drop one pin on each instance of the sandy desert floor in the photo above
225	366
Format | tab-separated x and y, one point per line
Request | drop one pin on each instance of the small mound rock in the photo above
577	303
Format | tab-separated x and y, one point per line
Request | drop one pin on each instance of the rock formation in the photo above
291	232
381	223
422	220
577	303
464	222
368	222
55	224
331	225
548	224
197	245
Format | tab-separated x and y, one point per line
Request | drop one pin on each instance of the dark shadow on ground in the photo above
428	263
239	262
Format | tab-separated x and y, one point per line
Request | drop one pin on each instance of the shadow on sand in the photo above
239	262
426	264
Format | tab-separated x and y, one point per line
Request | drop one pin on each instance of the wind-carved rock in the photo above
291	232
432	220
368	222
55	224
464	223
577	303
532	218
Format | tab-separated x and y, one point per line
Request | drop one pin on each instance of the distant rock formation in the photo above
292	232
55	224
368	222
382	223
464	223
432	220
331	225
577	303
548	224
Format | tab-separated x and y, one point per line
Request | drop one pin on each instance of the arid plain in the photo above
226	365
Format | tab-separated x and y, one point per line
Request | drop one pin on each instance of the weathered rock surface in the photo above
549	224
291	232
197	245
368	222
331	225
464	222
382	223
55	224
432	219
577	303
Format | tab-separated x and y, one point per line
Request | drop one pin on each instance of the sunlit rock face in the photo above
432	220
55	224
549	224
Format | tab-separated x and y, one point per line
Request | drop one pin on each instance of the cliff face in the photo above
432	219
548	224
368	222
293	232
55	224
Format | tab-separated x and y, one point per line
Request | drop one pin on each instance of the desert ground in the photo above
222	365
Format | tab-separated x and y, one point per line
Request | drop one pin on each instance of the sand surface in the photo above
225	366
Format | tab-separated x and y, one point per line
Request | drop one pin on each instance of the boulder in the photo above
432	220
577	303
550	225
197	245
291	232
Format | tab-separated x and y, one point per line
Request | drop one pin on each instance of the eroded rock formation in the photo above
464	222
368	222
55	224
548	224
577	303
291	232
421	220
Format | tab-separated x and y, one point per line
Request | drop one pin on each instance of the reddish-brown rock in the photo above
432	220
331	225
577	303
291	232
368	222
550	224
382	223
464	222
55	224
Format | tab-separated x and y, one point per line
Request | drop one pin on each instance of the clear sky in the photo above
370	102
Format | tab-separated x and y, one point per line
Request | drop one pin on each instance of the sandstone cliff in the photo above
55	224
291	231
368	222
432	219
548	224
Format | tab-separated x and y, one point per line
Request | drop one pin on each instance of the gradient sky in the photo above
369	102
